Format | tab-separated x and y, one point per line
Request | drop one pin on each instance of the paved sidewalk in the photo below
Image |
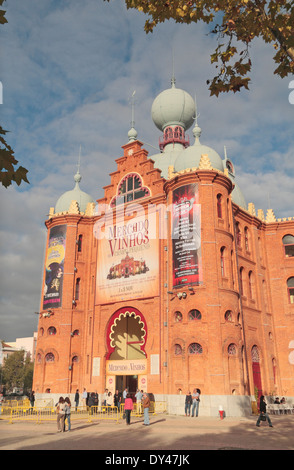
168	433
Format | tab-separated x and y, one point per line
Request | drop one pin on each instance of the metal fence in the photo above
93	413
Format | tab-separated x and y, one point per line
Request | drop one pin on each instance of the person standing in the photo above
188	403
60	407
128	408
32	400
196	401
117	399
263	414
125	392
77	398
146	405
138	396
67	410
84	398
105	396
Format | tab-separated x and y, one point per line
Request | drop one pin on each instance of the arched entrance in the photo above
126	365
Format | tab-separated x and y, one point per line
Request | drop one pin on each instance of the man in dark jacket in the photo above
262	410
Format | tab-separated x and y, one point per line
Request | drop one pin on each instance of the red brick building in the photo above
171	282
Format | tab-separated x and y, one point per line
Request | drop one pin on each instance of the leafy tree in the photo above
235	24
8	171
17	370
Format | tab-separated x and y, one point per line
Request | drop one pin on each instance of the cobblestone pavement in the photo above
165	433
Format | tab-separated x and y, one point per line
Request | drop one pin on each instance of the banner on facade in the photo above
186	236
128	261
54	266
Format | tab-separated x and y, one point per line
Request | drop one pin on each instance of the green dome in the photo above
172	107
76	194
237	195
190	157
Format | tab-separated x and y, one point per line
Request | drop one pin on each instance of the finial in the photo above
225	152
77	176
132	134
196	129
173	79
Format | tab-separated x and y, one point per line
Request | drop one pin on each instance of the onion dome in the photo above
173	107
190	157
76	194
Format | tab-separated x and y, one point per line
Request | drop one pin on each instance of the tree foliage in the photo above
17	371
8	171
235	24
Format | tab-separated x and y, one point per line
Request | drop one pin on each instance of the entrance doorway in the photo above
127	381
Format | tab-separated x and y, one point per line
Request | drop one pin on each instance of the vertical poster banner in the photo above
54	268
186	236
128	261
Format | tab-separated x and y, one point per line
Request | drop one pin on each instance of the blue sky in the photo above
68	70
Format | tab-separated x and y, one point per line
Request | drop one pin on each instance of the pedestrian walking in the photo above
146	404
196	401
60	407
32	400
67	413
263	416
128	408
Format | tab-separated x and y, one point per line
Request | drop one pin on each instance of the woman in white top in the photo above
109	401
60	414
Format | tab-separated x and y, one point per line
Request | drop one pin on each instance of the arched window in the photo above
290	285
251	284
77	291
219	205
288	242
246	238
178	316
222	260
50	357
76	333
178	350
232	349
52	330
238	234
255	354
241	281
229	316
80	243
195	348
130	189
194	315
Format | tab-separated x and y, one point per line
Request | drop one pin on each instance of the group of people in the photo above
63	408
108	399
142	400
192	401
279	402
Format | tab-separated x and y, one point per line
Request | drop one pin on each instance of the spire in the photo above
132	134
196	128
173	79
77	176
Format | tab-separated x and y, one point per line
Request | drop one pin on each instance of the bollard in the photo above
221	412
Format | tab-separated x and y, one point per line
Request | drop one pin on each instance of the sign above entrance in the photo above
126	367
